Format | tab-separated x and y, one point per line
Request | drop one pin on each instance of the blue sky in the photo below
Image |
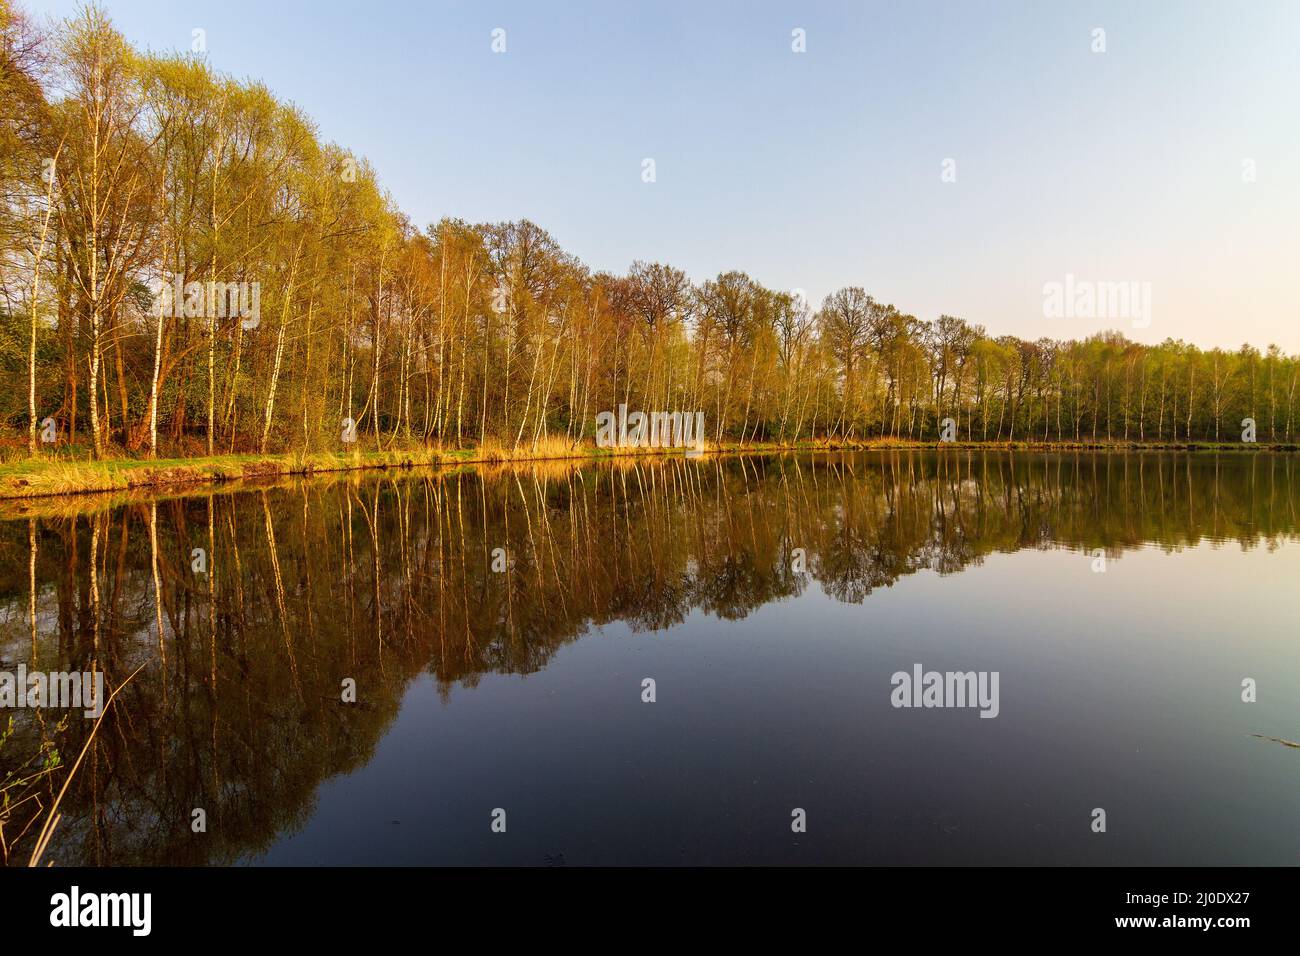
820	169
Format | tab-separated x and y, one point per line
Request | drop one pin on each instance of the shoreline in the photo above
65	477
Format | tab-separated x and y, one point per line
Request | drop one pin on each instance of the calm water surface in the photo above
522	689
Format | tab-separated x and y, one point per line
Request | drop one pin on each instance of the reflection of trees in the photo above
380	578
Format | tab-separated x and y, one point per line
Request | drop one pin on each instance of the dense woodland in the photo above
120	170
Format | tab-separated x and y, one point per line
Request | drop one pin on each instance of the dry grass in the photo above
46	477
53	817
549	447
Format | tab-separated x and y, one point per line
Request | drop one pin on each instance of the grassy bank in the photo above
63	475
43	477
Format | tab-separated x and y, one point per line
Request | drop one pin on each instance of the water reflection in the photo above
382	578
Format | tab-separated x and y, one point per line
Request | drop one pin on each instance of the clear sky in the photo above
820	169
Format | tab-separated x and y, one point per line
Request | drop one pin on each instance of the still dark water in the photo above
521	689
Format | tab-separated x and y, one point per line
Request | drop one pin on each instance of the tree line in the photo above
125	174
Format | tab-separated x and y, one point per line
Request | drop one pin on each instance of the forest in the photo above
124	174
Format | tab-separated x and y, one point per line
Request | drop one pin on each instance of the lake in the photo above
679	661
